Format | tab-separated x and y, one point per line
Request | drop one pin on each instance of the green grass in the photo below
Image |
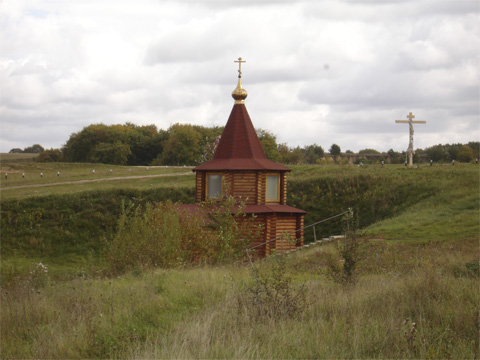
7	157
419	261
77	172
429	203
198	313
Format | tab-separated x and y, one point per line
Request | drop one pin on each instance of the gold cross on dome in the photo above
239	61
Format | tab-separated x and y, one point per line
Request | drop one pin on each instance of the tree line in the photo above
185	144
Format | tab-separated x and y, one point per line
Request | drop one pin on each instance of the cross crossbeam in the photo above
239	61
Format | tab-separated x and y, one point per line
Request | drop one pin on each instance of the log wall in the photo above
285	224
243	186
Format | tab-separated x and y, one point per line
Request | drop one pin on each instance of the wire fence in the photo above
303	228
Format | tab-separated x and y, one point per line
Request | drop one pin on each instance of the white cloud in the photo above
317	72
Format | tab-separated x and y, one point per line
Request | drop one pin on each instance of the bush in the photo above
52	155
345	271
273	296
160	234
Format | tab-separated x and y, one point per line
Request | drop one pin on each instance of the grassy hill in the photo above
415	295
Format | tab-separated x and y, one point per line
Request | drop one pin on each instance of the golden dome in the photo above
239	94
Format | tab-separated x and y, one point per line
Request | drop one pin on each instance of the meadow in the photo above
415	293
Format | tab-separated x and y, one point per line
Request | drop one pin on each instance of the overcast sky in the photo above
317	71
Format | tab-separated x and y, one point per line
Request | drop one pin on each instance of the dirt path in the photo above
96	180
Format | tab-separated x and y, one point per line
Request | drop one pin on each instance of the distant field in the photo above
17	157
25	180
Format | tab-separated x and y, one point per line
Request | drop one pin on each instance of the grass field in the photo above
7	157
67	178
415	296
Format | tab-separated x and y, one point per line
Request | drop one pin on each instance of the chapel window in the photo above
273	188
214	186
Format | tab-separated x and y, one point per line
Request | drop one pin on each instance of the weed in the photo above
272	296
38	277
345	270
161	235
410	338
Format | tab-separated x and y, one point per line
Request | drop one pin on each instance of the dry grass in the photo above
195	313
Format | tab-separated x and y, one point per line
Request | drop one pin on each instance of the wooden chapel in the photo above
240	168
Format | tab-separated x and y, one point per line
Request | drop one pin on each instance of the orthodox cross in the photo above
410	123
239	61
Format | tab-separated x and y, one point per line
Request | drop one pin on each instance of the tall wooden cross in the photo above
410	123
239	61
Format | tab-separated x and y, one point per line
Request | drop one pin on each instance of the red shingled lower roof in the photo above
249	209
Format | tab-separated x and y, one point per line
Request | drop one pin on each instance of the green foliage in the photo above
376	197
345	271
437	153
449	152
272	296
163	235
466	154
369	151
290	155
313	154
52	155
81	223
269	144
111	153
150	237
334	150
183	146
34	149
115	144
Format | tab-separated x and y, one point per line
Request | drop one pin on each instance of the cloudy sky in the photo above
317	71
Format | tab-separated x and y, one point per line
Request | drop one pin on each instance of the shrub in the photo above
345	271
52	155
152	235
159	234
272	296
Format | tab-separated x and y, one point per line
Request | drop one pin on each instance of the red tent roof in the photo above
239	147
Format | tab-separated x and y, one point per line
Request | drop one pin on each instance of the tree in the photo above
296	156
395	157
475	145
290	155
437	153
52	155
453	151
111	143
80	146
313	153
34	149
334	150
183	147
269	144
107	153
16	151
466	154
369	151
